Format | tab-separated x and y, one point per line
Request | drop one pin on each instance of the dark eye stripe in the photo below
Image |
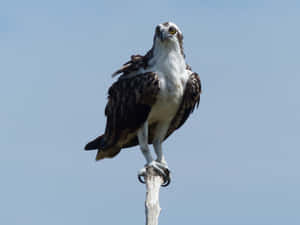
157	30
172	30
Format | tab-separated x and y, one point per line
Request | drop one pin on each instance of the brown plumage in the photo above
136	62
129	103
190	100
128	107
133	96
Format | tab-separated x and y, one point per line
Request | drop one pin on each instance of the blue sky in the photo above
236	160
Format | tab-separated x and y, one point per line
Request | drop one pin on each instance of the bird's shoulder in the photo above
129	103
134	90
135	63
193	87
190	100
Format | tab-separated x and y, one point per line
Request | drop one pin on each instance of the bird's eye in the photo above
172	30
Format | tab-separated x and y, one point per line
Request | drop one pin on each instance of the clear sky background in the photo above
236	160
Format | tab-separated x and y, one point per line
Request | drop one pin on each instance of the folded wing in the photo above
190	100
129	102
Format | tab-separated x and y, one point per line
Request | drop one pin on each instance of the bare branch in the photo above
153	183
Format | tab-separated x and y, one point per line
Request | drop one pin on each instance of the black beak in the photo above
159	33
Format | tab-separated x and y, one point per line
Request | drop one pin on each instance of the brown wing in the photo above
136	62
129	103
190	100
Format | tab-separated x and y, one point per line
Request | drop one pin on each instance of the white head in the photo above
169	35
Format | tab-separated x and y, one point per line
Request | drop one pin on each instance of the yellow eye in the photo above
172	30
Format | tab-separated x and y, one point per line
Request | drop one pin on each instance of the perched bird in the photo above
153	96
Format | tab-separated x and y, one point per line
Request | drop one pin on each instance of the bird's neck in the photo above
166	48
168	57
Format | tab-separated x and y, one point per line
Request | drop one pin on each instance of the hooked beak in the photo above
160	34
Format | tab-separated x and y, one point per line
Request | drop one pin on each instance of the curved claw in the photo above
164	172
140	179
166	182
167	178
142	173
161	169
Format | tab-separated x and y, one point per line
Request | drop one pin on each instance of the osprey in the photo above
153	96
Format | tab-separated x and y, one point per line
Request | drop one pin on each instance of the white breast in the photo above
170	67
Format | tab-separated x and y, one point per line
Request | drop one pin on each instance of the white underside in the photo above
171	70
169	64
173	76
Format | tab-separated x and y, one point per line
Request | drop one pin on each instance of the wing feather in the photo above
190	100
134	64
129	103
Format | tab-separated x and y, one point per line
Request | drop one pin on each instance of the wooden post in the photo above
153	182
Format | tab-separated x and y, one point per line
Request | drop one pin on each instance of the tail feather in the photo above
95	144
103	151
109	153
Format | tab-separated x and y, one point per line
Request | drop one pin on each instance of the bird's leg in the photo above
161	162
161	131
142	135
159	153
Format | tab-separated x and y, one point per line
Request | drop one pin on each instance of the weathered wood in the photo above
152	208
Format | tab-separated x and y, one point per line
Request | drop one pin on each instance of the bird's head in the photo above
169	34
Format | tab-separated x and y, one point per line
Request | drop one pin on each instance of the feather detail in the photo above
190	100
136	62
129	103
